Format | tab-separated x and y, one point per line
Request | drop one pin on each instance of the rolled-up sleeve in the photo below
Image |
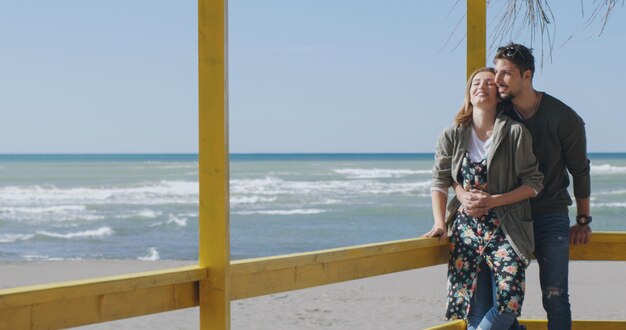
526	164
442	172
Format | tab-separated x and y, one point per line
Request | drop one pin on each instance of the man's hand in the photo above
579	234
475	202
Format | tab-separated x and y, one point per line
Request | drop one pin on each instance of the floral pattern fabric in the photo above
475	240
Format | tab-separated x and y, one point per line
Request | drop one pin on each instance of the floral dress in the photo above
475	240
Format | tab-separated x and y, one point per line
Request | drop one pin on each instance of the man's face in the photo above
508	79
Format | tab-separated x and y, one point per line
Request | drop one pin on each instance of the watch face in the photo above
583	220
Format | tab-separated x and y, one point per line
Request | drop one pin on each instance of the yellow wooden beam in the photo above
543	324
75	303
255	277
82	302
214	235
476	35
603	246
577	324
452	325
261	276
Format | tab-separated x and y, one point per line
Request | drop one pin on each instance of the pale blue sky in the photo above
305	76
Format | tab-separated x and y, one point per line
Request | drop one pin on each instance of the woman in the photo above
487	153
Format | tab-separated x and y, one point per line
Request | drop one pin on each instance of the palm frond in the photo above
534	19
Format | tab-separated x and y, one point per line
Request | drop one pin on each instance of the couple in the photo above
507	158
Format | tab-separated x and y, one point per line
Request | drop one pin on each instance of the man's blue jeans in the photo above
552	253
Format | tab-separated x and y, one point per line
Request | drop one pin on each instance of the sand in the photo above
406	300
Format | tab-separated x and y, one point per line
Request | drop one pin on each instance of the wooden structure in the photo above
216	281
75	303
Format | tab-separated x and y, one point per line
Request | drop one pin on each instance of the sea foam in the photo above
607	169
97	233
378	173
282	212
152	254
44	214
45	209
611	192
10	238
247	200
178	221
150	193
275	186
609	205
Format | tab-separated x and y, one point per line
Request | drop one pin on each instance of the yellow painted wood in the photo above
214	236
602	246
543	324
577	324
322	256
476	34
36	294
15	318
75	303
108	307
452	325
255	277
109	298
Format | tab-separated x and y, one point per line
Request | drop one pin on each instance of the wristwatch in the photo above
583	220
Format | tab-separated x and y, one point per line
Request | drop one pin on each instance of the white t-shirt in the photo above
477	148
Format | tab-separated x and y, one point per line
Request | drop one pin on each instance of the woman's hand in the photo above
476	203
437	231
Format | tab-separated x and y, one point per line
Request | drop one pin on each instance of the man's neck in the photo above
526	103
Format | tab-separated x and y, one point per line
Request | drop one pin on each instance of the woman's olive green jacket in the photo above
510	163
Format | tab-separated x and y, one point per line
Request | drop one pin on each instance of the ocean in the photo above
69	207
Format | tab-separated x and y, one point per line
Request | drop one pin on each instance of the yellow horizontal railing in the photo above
69	304
543	324
578	325
452	325
605	245
103	299
256	277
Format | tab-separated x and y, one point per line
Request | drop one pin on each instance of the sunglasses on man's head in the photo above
510	51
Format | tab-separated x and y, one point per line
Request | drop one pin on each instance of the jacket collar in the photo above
500	129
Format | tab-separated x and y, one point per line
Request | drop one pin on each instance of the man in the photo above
559	143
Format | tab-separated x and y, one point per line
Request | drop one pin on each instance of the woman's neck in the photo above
483	122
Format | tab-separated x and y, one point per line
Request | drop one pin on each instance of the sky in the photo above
304	76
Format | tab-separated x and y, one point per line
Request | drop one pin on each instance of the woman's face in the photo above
483	90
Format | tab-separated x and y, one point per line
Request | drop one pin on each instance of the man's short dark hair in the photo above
520	55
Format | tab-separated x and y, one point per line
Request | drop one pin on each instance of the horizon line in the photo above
242	153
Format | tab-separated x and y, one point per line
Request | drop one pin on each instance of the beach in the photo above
69	217
405	300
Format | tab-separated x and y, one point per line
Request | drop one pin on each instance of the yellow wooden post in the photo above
214	240
476	34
